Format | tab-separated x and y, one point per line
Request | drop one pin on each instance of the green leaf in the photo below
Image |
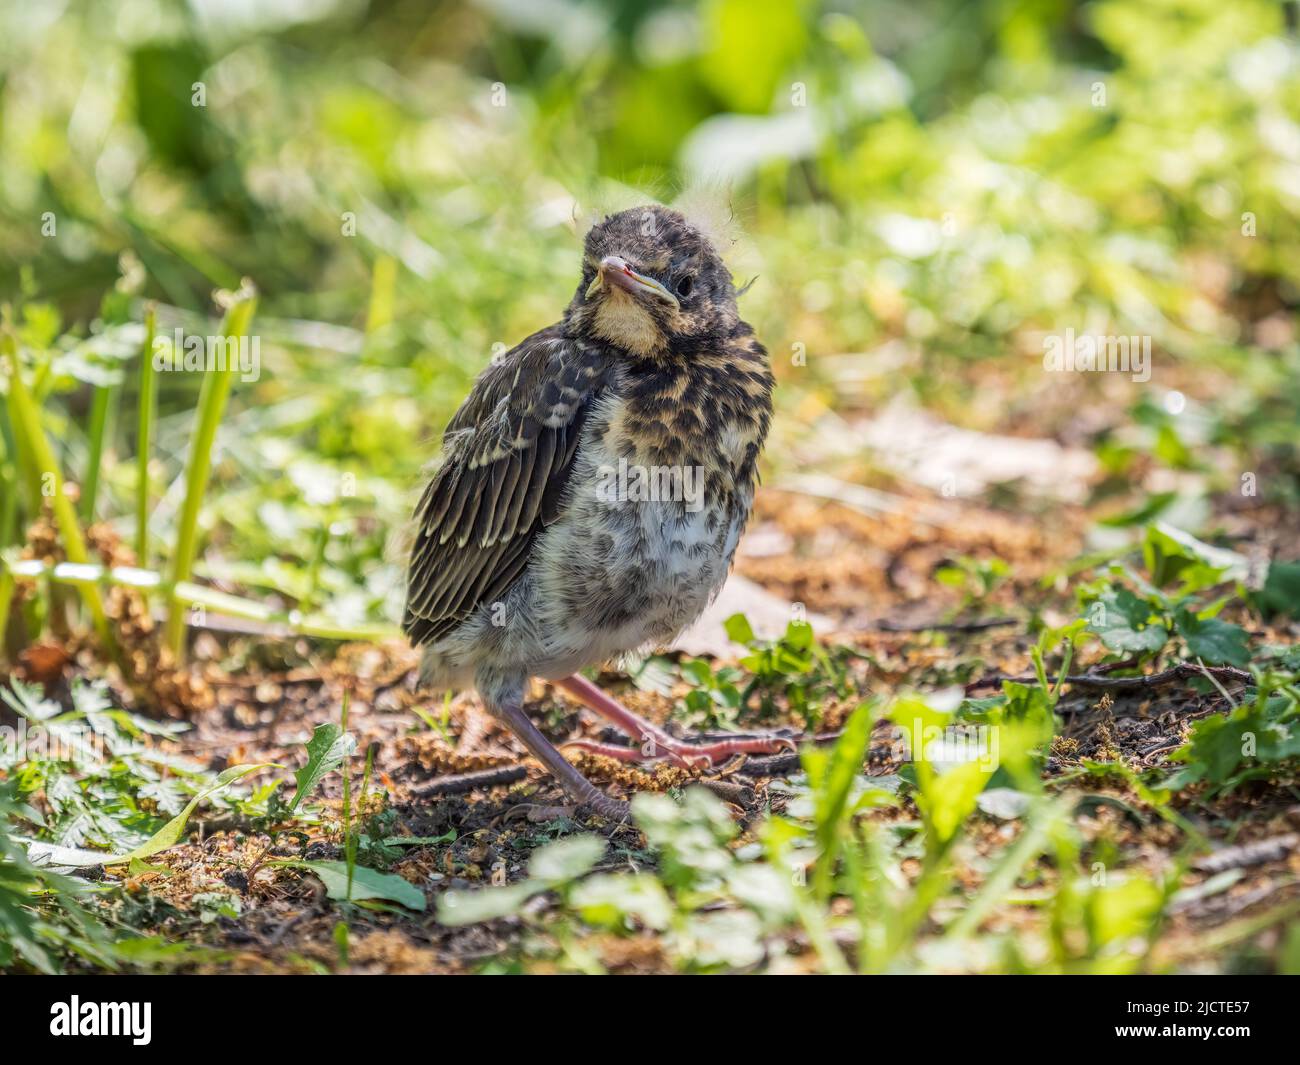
832	775
697	670
691	836
739	630
1171	554
947	798
566	859
798	636
328	746
457	908
1170	449
1151	506
952	576
366	884
1124	910
609	900
1126	623
553	865
1025	731
1216	642
946	790
1281	591
136	867
1261	732
170	833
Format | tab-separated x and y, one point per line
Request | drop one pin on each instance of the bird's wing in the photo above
507	456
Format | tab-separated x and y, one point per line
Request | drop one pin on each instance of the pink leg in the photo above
513	717
653	741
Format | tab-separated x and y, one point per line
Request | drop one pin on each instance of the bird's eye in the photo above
684	285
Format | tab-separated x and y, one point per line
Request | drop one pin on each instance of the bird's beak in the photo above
614	272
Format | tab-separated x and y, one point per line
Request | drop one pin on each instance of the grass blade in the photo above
8	487
101	414
6	600
349	842
25	471
1029	844
45	468
212	405
146	416
382	285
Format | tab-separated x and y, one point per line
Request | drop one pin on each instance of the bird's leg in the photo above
511	715
654	742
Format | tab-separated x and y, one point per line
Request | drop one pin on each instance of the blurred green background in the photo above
921	189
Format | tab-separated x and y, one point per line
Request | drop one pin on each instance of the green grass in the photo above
212	405
27	418
101	411
146	416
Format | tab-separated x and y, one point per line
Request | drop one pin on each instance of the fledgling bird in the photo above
529	560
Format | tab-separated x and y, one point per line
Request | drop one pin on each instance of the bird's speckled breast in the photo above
627	565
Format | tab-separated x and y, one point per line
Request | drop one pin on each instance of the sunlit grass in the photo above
27	425
101	412
213	395
146	415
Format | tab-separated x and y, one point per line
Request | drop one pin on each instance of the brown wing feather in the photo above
508	452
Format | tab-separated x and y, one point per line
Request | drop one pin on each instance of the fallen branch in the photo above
940	626
1182	671
459	783
774	765
1274	849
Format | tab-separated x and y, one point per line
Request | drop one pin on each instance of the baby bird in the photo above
593	488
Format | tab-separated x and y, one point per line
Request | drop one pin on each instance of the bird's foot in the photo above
608	807
579	787
655	743
688	754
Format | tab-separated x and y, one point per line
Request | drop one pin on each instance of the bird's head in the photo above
652	285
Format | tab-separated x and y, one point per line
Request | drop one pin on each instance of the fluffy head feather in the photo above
652	285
